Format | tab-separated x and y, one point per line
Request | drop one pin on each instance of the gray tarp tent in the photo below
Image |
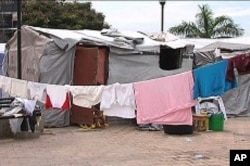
45	59
129	51
139	67
207	55
48	57
236	100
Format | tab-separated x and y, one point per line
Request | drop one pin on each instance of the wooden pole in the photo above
19	44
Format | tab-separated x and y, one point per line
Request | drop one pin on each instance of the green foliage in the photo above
61	15
206	26
5	32
5	35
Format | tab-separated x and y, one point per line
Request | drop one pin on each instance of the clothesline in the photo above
126	100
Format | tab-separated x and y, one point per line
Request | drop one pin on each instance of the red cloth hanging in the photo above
66	105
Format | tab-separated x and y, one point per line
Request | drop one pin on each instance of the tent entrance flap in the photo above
90	68
91	65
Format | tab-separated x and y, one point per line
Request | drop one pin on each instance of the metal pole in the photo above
162	15
19	44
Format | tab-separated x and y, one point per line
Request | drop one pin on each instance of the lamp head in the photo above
162	2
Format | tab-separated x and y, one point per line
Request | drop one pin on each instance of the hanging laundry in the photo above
29	105
15	124
241	63
118	100
85	96
57	97
210	80
180	117
19	88
166	100
5	84
37	91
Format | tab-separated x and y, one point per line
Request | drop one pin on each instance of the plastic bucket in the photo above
216	122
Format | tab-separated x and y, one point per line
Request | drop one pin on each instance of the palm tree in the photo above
206	26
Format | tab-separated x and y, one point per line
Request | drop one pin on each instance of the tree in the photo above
5	25
59	14
206	26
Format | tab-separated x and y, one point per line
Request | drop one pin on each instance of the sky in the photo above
145	16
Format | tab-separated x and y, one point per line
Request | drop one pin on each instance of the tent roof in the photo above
238	40
162	36
226	46
134	42
237	43
118	39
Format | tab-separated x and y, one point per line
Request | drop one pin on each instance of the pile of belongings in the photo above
22	113
99	120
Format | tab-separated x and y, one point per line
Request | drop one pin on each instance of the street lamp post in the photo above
162	3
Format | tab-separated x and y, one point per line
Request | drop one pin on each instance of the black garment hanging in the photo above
170	58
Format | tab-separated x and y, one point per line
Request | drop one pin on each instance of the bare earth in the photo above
123	145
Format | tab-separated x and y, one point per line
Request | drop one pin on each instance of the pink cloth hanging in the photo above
166	100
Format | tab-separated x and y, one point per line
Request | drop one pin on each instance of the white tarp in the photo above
201	43
2	50
226	45
2	47
237	40
110	38
163	36
127	40
91	35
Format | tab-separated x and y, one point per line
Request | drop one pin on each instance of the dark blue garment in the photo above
210	80
1	72
1	62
